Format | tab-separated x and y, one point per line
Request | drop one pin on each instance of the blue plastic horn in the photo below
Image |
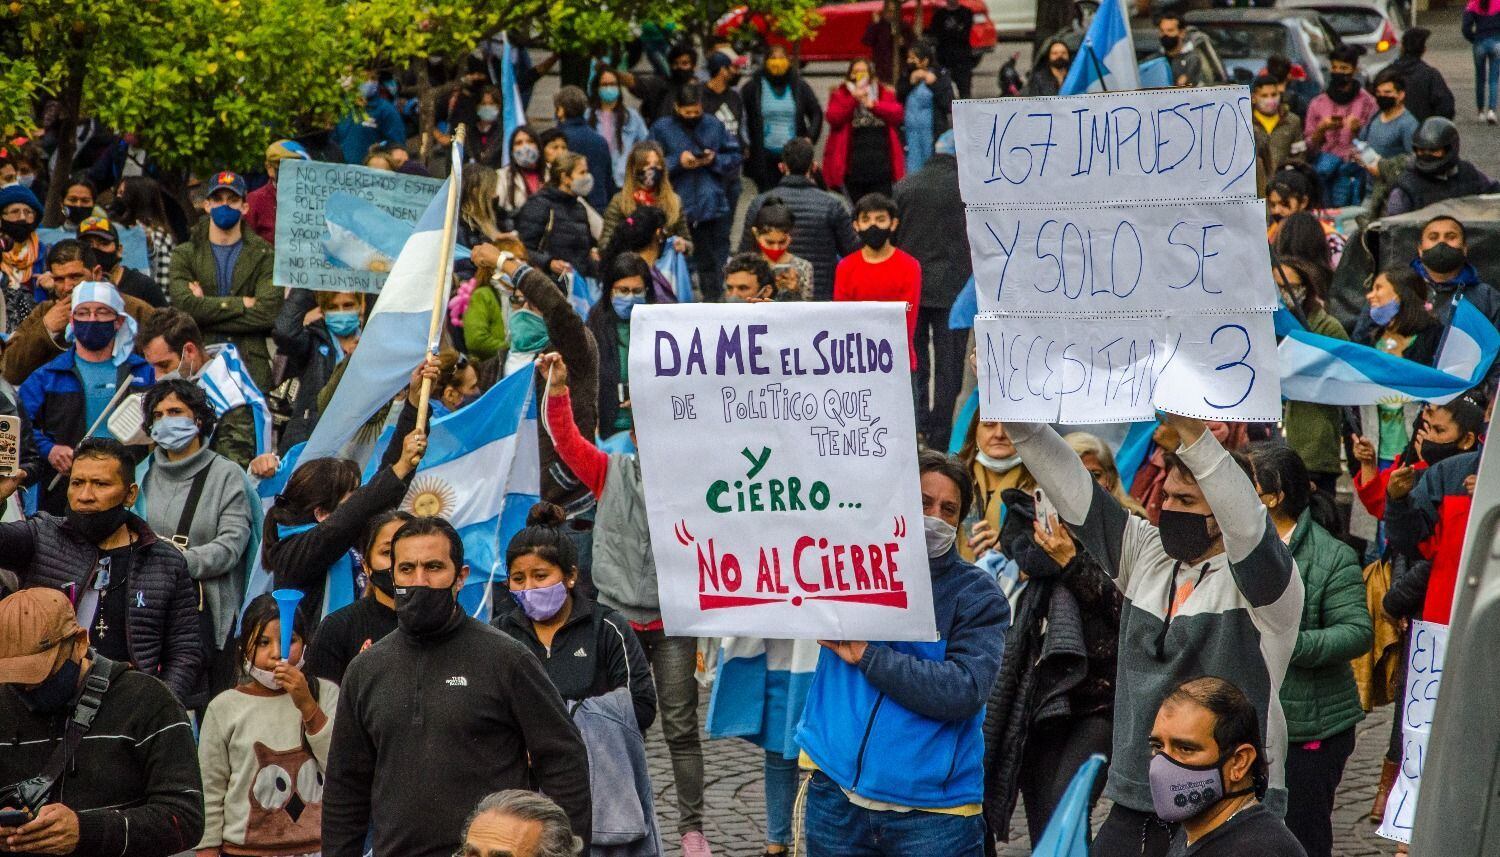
287	601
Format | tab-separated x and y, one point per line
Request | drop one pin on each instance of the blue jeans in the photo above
838	828
1486	58
781	797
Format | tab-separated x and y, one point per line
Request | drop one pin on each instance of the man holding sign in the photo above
1212	591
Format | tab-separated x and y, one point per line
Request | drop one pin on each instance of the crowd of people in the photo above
1215	622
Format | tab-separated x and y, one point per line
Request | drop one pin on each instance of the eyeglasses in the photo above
104	314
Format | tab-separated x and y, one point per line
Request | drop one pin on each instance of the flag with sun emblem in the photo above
482	473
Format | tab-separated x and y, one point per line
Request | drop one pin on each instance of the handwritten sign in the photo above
339	226
1143	281
1176	144
1424	676
1191	257
1077	370
778	455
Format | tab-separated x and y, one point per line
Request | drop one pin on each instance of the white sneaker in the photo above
1489	116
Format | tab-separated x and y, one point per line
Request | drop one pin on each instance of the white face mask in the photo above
998	465
267	678
940	536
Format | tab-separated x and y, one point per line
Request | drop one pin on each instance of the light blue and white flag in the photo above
395	338
228	385
1336	372
1067	833
1106	60
965	307
512	111
259	579
482	473
760	690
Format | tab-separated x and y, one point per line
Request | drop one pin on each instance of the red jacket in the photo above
840	116
261	217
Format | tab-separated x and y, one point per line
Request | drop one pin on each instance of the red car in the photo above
843	31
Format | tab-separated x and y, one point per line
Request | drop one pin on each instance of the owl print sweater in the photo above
262	783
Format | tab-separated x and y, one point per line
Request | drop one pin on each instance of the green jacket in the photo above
1312	429
1318	695
235	436
484	324
226	319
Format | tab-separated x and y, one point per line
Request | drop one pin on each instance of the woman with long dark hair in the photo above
642	233
1315	430
523	176
626	285
621	127
138	202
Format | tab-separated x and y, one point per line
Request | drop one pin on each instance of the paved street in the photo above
735	801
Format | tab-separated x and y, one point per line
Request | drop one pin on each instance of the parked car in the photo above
1246	38
1013	19
1148	45
1377	25
841	36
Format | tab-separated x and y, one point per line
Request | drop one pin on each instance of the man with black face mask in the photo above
1436	172
1212	589
1187	66
128	587
100	235
1443	261
350	630
441	713
133	787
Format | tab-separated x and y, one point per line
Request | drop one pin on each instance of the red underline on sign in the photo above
884	599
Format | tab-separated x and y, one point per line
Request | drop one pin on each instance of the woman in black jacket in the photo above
554	223
597	650
1050	71
627	282
776	86
316	331
320	516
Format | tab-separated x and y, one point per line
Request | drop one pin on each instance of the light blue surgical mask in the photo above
174	434
1382	314
625	304
488	113
342	323
609	94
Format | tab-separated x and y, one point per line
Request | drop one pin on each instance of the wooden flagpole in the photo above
440	287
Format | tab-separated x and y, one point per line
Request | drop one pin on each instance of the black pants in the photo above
945	368
1054	752
963	76
1131	833
856	188
710	252
1312	779
1398	713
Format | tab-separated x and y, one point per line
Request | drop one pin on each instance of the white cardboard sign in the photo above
778	454
1424	677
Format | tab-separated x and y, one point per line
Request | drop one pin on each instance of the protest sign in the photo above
1173	144
339	227
778	456
1122	258
1143	282
1050	369
1424	676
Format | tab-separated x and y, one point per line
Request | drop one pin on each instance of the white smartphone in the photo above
1045	511
10	445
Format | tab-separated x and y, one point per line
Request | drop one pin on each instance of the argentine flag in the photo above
1336	372
228	385
1067	833
1106	59
512	112
482	473
395	339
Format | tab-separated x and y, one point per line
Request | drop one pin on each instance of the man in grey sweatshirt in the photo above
1212	591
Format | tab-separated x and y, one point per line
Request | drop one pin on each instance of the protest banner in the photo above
1171	144
1144	282
778	456
1424	676
340	227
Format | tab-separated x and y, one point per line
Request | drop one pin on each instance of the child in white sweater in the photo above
264	748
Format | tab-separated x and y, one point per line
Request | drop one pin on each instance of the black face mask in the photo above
681	75
1433	452
423	610
1061	63
78	213
1170	43
17	230
1443	258
54	693
1342	88
95	527
107	261
1184	535
689	121
1385	102
384	581
874	237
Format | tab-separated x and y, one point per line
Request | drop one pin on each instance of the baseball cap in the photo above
718	61
283	149
32	624
226	180
99	226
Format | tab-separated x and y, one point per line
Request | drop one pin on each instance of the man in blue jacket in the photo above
700	153
892	731
372	121
571	105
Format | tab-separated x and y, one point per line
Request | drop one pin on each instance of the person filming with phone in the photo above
1210	590
133	788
